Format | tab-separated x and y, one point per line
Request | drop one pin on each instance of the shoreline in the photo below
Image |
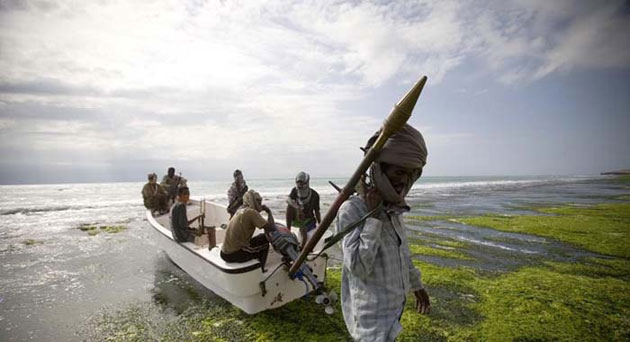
551	300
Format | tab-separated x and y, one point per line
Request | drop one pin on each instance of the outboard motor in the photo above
286	243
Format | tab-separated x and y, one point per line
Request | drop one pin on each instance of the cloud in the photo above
175	79
528	40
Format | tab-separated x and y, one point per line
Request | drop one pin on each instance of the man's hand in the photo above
372	199
423	305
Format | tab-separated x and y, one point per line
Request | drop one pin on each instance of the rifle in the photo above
237	202
396	120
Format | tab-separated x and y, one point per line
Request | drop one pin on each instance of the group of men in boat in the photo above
159	197
377	269
244	207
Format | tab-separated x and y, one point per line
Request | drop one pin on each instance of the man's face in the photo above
152	180
302	185
171	173
259	204
399	176
184	197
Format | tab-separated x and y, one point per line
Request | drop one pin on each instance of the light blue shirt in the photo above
377	273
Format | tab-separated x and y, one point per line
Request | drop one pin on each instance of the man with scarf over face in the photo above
377	269
303	207
236	192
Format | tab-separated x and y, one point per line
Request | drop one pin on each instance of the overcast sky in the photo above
95	91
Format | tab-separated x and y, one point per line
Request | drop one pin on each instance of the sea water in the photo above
55	276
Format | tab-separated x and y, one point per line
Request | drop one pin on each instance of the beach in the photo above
503	258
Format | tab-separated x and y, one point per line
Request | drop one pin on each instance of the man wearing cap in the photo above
303	207
154	195
377	269
239	245
235	192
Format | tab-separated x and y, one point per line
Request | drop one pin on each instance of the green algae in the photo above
587	300
31	242
112	229
539	304
439	252
419	218
603	228
93	230
552	302
555	302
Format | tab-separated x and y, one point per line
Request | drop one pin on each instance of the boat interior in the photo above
217	218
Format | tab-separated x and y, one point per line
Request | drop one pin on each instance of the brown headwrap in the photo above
405	148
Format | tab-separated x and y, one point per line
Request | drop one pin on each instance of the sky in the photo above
99	91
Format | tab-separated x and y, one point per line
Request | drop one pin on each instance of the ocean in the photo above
55	278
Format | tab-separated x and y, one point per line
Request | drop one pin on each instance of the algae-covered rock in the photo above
30	242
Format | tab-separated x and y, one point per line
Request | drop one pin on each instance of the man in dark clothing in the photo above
179	218
303	207
236	192
172	183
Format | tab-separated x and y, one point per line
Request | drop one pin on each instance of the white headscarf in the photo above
304	193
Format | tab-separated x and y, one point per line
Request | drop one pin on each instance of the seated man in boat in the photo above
377	269
239	245
236	192
172	182
154	195
180	224
303	207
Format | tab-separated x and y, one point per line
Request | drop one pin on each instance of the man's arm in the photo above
195	219
423	304
361	246
318	216
290	215
270	225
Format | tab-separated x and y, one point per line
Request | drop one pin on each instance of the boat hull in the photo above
242	284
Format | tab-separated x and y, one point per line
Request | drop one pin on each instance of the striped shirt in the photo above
377	273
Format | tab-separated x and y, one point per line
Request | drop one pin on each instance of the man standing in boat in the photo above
303	207
172	183
180	224
377	269
239	245
154	195
236	192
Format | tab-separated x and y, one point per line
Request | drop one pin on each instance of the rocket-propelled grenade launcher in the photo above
395	121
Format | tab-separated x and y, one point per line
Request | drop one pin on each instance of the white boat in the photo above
242	284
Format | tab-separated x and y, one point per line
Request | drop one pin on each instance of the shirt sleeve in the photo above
180	219
256	218
316	199
415	276
361	245
231	194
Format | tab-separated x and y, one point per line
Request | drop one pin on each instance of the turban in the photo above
405	148
251	199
